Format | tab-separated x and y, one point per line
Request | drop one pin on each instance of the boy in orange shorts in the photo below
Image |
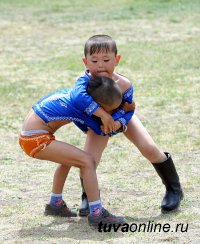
37	140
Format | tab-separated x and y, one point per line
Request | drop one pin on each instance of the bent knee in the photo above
88	162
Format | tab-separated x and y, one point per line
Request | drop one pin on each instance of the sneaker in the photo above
105	218
59	210
84	207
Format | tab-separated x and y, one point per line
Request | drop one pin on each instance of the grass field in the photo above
41	46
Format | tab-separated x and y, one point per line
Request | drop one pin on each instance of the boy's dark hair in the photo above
98	43
104	90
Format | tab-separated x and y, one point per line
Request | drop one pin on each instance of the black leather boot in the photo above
174	194
84	207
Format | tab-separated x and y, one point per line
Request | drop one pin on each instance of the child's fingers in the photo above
104	129
108	128
129	106
108	124
111	127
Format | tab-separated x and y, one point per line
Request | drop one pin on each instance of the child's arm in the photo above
123	114
126	111
85	103
80	98
95	125
106	119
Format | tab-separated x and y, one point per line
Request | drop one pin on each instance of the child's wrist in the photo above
101	113
123	128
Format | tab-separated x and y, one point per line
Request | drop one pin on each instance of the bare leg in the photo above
162	162
59	179
68	156
138	135
94	145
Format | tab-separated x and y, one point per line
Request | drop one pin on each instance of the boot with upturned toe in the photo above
174	194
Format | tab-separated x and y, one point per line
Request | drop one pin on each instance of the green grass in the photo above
41	47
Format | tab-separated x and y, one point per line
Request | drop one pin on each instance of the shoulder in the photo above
122	81
83	79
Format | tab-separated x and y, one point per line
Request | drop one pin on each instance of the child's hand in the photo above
118	128
129	106
108	123
117	125
106	119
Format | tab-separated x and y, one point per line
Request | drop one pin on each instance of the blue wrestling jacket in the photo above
84	102
76	105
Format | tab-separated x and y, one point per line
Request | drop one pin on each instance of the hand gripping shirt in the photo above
84	102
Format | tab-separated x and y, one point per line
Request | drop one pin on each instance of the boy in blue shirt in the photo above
101	58
37	140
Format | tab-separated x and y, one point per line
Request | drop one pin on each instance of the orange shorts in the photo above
35	143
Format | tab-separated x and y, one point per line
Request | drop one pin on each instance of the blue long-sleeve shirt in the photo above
77	106
85	103
59	106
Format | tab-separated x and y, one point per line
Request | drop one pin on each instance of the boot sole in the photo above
164	211
60	215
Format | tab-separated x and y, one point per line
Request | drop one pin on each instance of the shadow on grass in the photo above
78	229
161	216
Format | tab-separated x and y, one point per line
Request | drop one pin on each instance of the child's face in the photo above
102	63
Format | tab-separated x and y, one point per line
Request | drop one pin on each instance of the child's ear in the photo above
118	57
84	61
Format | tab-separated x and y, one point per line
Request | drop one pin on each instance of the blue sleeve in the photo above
120	115
124	117
127	96
94	125
80	93
82	127
95	128
81	99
